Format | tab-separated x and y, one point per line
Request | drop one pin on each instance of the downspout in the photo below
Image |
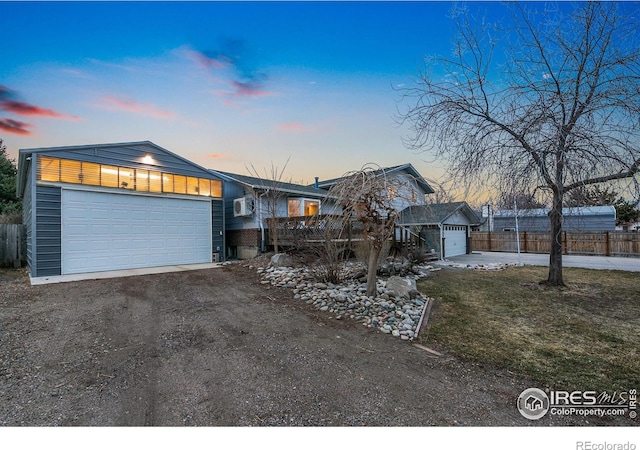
441	243
262	240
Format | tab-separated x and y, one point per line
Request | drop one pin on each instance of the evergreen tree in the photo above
9	202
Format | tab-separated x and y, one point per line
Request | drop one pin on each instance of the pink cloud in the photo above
129	105
209	62
249	89
25	109
292	127
15	127
216	155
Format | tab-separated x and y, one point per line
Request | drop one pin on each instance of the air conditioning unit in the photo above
242	207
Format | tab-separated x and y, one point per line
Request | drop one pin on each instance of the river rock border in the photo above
388	312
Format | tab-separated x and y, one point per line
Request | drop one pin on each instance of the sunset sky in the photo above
226	85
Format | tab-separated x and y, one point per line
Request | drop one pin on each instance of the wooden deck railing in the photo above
315	230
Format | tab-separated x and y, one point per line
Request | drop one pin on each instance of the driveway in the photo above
215	347
535	259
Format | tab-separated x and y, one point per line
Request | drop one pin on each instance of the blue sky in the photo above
225	84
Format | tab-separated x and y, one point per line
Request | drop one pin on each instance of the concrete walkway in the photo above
535	259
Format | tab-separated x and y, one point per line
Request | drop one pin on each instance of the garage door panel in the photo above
106	231
455	242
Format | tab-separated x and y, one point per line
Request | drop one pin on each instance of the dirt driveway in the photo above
216	348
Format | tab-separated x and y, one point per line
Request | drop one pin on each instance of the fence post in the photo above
489	240
526	249
608	246
564	242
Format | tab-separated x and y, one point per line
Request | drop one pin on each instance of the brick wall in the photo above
249	238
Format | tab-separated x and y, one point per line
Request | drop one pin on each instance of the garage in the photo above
455	240
441	227
108	231
121	206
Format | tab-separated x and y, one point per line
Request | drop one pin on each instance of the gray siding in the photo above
48	250
217	224
570	223
232	191
27	213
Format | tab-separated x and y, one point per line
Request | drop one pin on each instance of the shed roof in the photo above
436	214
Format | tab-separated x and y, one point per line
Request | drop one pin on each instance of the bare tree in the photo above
558	109
271	195
368	196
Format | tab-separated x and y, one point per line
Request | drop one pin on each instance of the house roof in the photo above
263	184
436	214
408	168
25	155
566	212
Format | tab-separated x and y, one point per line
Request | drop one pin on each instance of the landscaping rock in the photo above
281	260
395	311
401	287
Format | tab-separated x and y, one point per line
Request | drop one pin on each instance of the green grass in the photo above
582	337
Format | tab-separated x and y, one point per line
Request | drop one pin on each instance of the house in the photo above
409	187
586	218
444	227
93	208
250	203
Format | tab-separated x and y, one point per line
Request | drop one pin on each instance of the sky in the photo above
228	85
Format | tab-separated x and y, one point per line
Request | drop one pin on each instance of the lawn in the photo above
582	337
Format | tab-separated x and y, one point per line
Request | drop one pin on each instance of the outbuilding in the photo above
579	219
94	208
444	227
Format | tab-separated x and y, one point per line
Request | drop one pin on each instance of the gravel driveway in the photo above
216	348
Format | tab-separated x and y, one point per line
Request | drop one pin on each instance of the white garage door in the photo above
455	240
105	231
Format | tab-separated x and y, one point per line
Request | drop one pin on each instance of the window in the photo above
49	169
193	187
126	178
142	180
294	208
91	174
303	207
311	207
155	181
216	188
179	184
70	171
204	187
167	182
109	176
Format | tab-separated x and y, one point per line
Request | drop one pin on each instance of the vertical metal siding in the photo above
27	203
217	228
48	249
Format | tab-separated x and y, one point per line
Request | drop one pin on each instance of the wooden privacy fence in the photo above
603	243
12	245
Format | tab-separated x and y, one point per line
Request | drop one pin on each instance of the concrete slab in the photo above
122	273
535	259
